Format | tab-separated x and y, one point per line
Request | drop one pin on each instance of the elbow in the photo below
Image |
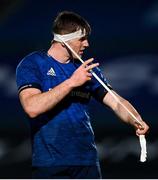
32	115
31	112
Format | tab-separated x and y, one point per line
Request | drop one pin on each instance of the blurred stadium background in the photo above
124	40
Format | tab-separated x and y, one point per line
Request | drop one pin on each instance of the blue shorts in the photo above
67	172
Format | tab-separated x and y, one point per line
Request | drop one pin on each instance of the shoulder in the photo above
33	59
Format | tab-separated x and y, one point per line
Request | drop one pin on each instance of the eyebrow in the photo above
84	38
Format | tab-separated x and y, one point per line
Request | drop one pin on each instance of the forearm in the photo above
122	111
124	115
119	110
39	103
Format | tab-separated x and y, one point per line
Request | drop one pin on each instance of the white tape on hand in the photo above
142	141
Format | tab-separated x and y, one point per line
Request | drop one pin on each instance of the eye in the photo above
83	38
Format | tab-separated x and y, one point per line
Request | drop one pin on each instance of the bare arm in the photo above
36	102
123	114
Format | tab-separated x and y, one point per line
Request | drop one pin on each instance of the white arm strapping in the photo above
141	137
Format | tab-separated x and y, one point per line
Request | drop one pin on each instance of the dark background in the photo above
124	40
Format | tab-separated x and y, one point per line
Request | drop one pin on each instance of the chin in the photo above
80	55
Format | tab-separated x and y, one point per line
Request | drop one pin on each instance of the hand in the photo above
141	129
82	74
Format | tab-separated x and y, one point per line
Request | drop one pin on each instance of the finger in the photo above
140	132
89	78
91	66
89	74
87	62
139	125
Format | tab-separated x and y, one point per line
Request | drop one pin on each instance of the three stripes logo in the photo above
51	72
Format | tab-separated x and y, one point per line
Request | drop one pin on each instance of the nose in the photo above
86	43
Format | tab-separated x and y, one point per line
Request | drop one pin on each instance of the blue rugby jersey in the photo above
63	135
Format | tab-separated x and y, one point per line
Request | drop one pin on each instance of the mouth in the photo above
81	52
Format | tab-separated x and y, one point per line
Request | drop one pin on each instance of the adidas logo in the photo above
51	72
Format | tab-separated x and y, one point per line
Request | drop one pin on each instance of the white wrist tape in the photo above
70	36
142	141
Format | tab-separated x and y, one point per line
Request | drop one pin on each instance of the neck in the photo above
59	53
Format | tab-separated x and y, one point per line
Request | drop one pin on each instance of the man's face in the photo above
79	45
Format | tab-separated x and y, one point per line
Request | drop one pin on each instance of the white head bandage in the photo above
70	36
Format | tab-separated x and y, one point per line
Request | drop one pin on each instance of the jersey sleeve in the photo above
98	91
27	74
